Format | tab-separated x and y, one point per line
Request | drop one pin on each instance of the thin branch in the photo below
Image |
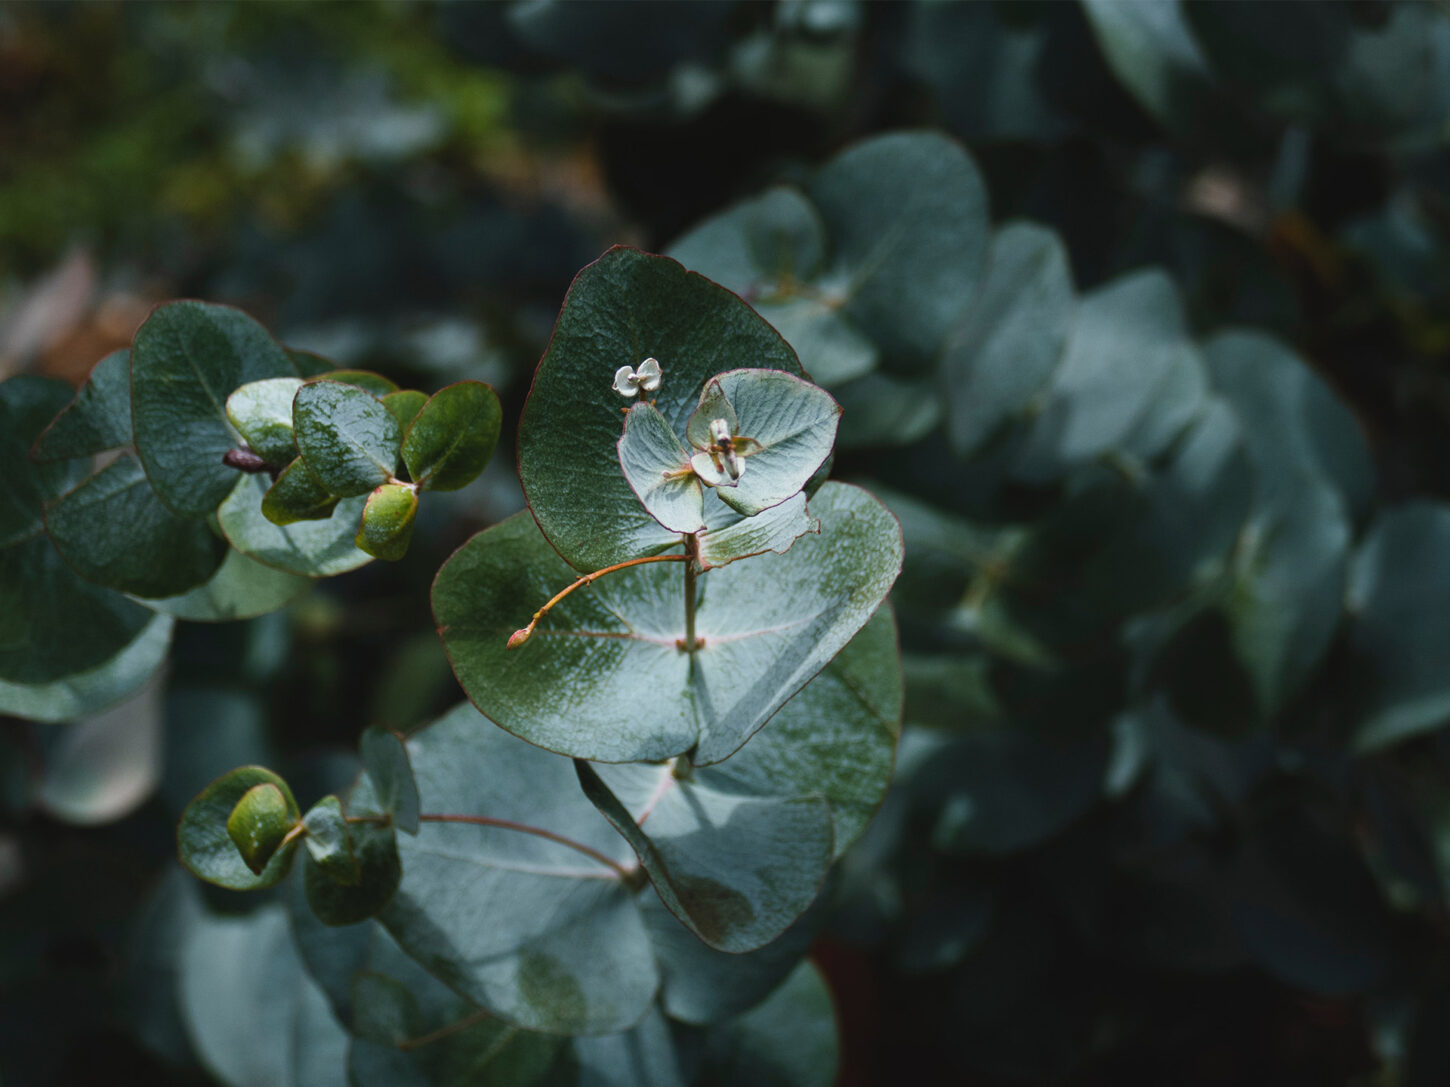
539	832
519	637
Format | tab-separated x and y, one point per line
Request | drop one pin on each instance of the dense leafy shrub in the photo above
1133	319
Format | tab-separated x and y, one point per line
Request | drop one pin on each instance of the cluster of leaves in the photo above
1147	574
652	682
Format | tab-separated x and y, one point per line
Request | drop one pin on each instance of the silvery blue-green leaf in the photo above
775	529
53	625
792	425
881	410
347	437
655	463
576	685
832	350
240	589
540	934
1398	597
334	899
85	693
1154	54
713	410
789	1040
98	419
625	307
701	985
261	412
906	223
1292	422
645	1056
736	869
151	988
254	1016
385	758
1129	383
309	548
759	248
1007	345
112	529
185	361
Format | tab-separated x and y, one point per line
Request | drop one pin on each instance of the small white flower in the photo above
628	381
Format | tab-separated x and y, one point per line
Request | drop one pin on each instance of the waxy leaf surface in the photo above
346	435
262	414
625	307
536	932
655	463
309	548
387	521
98	419
452	436
205	845
603	678
297	495
775	529
185	361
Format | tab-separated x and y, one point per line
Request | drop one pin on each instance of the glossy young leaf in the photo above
53	625
259	823
536	932
98	419
185	361
240	589
625	307
328	842
775	529
452	437
85	693
207	848
113	530
387	521
385	758
297	495
1007	345
337	902
348	438
655	463
405	404
906	217
262	414
376	384
308	548
768	626
791	425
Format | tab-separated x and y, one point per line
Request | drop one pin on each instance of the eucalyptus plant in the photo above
682	643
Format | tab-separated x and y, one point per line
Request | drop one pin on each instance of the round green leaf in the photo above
789	1040
205	844
385	758
309	548
658	470
577	686
625	307
906	217
97	420
113	530
258	824
537	933
387	521
240	589
336	902
405	404
346	435
85	693
452	437
262	413
374	383
185	361
53	625
1009	342
297	495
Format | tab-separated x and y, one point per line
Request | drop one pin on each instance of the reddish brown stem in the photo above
519	637
539	832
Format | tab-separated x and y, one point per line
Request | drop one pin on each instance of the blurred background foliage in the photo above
1173	802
